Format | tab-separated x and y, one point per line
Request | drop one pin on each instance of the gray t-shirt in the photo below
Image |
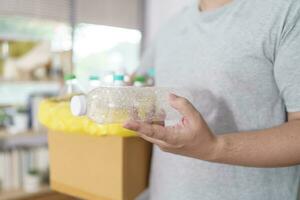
242	63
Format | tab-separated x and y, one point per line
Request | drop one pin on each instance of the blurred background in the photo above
43	41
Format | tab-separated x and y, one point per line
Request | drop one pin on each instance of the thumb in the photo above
183	106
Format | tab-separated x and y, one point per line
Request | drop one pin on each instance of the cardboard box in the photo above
102	168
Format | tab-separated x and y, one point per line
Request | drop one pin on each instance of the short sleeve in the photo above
287	63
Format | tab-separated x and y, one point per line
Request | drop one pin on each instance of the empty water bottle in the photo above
71	86
114	105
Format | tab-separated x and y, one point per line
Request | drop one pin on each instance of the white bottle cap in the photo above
79	105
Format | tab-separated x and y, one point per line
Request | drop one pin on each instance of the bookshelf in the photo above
24	153
48	81
21	194
43	193
26	139
18	152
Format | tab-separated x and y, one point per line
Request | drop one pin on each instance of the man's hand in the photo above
190	137
273	147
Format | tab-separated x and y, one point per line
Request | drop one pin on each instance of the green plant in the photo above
3	117
22	109
33	172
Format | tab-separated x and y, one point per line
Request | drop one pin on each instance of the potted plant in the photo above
32	181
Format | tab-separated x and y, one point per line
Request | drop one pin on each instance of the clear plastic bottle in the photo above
114	105
119	80
71	86
94	82
151	77
107	78
139	81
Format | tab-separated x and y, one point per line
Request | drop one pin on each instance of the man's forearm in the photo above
275	147
192	137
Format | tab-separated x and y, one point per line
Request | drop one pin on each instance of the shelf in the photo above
27	139
29	81
5	106
21	194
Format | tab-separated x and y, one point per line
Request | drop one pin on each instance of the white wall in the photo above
157	13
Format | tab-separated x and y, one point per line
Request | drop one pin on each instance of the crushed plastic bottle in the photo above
115	105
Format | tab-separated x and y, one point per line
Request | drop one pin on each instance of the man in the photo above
241	60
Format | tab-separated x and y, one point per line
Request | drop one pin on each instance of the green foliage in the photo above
1	66
18	49
33	172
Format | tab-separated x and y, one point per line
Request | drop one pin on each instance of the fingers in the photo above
132	125
151	130
184	107
162	145
155	132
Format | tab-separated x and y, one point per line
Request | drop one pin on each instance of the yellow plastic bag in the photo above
56	116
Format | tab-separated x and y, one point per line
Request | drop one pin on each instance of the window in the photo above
98	49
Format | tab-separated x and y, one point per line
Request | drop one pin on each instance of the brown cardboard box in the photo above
103	168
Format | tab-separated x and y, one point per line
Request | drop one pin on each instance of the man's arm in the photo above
275	147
